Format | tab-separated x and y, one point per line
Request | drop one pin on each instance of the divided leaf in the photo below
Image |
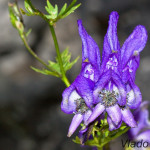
66	56
53	11
53	14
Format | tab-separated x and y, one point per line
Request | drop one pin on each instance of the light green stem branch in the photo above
34	54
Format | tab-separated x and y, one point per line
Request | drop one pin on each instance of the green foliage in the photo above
31	10
53	11
63	9
45	72
28	8
67	11
53	14
101	134
66	56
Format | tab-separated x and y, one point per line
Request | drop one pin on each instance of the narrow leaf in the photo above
45	72
28	7
50	6
62	9
70	11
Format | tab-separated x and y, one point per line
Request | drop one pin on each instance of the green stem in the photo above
34	54
64	78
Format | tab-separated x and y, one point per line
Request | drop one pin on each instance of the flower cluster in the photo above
106	86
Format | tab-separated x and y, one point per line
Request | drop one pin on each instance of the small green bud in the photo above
19	26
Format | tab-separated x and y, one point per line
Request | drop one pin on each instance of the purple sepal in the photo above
90	50
87	115
130	70
114	113
128	118
68	102
77	119
112	126
134	44
134	96
103	80
97	111
85	86
111	42
122	91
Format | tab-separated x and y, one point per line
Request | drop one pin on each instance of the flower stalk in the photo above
63	74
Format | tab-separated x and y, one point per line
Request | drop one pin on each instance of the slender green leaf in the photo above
50	6
44	71
28	7
71	10
62	9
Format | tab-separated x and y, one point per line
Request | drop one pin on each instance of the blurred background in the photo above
30	114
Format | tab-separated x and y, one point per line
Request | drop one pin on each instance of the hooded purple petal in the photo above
111	39
90	50
122	92
135	64
87	116
111	44
85	86
134	97
114	113
112	126
128	118
103	80
98	110
77	119
69	96
130	70
133	45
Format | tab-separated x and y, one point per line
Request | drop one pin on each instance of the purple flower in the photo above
106	86
78	97
115	91
142	132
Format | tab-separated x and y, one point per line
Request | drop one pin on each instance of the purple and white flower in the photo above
107	85
115	91
78	97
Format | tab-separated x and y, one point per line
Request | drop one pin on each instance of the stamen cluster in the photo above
108	98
